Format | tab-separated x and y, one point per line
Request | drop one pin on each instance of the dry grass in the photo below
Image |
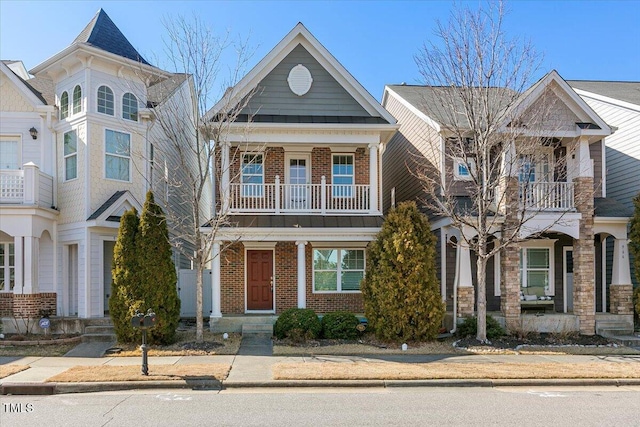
427	371
52	350
436	347
211	371
213	344
6	370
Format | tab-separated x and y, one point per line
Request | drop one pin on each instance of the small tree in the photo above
157	279
125	297
401	292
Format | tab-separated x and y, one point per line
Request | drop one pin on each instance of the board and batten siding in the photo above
326	97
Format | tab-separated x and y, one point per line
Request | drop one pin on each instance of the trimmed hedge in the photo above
470	328
298	324
340	325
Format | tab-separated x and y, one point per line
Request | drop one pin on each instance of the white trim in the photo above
102	303
137	107
65	157
73	103
469	165
120	156
496	274
113	93
255	234
443	265
541	244
410	107
339	249
10	138
565	249
603	272
603	172
26	92
273	279
258	246
609	100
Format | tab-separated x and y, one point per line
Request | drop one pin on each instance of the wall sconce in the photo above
34	133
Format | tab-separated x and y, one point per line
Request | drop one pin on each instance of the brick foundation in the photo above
621	299
466	301
27	305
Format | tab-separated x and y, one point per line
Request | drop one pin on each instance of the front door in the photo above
107	260
260	280
297	194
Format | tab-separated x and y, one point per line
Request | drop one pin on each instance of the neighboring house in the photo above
300	179
63	190
571	291
618	103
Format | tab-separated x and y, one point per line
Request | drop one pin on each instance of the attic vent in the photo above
300	80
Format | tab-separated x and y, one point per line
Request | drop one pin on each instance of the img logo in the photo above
16	408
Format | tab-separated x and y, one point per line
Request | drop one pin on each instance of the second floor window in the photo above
342	175
117	155
252	175
77	99
70	155
130	107
105	101
64	105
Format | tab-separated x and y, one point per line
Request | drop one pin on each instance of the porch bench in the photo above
537	305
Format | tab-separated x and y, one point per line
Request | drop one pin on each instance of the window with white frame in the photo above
70	155
130	107
536	270
338	270
462	169
252	175
64	105
342	175
7	267
10	152
105	101
77	99
117	155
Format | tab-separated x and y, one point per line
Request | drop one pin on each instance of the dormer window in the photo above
130	107
77	99
64	105
105	101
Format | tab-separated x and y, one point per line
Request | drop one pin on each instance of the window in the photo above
9	153
105	101
117	152
252	176
7	267
536	270
130	107
64	105
535	168
77	99
342	175
462	169
70	155
337	270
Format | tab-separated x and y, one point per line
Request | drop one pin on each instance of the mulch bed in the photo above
538	339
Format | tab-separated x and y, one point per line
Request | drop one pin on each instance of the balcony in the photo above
547	196
28	186
320	198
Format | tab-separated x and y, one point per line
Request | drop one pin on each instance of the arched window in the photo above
64	105
130	107
105	101
77	99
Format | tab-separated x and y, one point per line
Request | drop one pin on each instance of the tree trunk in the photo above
199	320
481	276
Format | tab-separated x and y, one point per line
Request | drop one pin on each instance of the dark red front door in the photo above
259	280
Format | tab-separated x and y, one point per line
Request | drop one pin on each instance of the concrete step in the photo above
235	323
262	329
627	340
98	338
100	329
614	331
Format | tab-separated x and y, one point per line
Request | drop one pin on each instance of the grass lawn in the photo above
51	350
212	371
6	370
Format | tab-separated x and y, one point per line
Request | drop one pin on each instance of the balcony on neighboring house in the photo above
28	186
548	196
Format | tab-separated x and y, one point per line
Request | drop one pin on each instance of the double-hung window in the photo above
536	270
64	105
7	267
252	175
130	107
338	270
117	155
342	175
105	101
77	99
70	155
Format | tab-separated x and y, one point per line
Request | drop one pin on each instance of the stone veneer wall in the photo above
466	301
584	305
510	261
621	299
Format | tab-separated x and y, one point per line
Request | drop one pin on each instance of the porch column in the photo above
31	183
215	282
30	265
584	251
621	291
510	255
225	164
302	270
466	292
18	247
373	179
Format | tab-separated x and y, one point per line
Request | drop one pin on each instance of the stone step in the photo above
263	329
614	331
98	337
100	329
627	340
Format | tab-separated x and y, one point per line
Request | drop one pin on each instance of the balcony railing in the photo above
278	198
28	186
552	196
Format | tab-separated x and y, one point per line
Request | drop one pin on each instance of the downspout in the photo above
455	291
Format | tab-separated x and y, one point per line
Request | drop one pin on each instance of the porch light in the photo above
33	132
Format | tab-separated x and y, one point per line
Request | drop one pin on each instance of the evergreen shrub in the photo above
469	327
340	325
298	324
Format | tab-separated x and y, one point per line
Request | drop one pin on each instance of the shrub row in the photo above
300	324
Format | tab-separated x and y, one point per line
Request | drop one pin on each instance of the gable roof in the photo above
111	210
624	91
102	33
32	94
299	35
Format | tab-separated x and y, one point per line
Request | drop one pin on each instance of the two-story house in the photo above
300	183
77	149
559	268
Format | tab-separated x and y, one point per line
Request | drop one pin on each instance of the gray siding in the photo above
595	151
325	98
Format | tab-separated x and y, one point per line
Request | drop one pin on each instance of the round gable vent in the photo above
299	80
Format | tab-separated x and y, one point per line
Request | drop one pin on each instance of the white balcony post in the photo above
464	265
225	192
302	270
373	179
583	157
31	183
277	201
215	282
621	271
323	194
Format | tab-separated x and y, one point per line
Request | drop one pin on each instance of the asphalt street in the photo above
507	406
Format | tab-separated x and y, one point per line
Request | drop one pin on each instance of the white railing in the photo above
28	186
547	195
320	198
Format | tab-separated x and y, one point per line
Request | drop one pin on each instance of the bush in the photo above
298	324
340	325
636	302
470	328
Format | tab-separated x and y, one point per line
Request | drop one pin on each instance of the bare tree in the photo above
478	80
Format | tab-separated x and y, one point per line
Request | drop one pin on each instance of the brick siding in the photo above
27	305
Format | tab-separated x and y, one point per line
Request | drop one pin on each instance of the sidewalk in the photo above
256	371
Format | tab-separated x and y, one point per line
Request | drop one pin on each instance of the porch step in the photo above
612	332
99	333
102	329
627	340
235	323
262	329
